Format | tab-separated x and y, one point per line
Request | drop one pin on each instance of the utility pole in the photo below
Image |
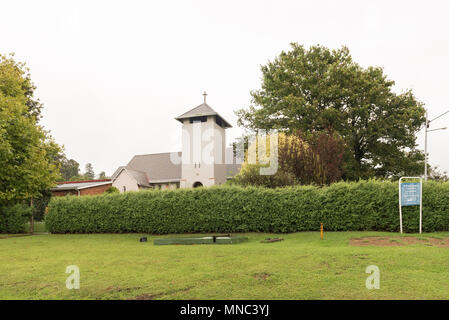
425	139
425	147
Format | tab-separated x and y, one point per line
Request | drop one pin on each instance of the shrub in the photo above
301	160
365	205
112	190
14	218
40	203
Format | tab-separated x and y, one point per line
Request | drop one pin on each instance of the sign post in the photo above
410	194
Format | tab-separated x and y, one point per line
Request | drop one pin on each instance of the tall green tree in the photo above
69	168
102	175
317	89
15	80
89	174
28	154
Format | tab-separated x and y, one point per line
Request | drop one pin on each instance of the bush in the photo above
112	190
365	205
14	218
40	203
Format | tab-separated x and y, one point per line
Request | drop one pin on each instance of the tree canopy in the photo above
28	154
89	174
318	89
69	168
316	161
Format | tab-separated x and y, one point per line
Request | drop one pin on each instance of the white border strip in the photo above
420	204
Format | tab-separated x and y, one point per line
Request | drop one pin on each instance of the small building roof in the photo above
157	166
153	168
148	169
203	110
79	185
139	176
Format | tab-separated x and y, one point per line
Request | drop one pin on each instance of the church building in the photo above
204	160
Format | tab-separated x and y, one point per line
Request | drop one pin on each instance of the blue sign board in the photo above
410	194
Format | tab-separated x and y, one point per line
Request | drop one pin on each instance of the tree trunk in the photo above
32	218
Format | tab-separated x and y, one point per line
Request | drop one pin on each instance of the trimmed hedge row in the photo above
365	205
13	218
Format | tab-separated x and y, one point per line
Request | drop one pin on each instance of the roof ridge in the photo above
83	181
149	154
130	169
201	105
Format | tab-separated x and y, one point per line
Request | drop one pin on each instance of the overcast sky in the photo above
113	74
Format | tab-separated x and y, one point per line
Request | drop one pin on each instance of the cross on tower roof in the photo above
201	111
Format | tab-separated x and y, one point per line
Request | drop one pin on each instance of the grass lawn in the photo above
300	267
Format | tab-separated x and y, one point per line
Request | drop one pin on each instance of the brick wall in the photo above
95	190
63	193
83	192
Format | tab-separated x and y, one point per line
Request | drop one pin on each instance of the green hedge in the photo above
13	218
365	205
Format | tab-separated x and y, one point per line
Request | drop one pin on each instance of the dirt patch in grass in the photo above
399	241
15	235
262	276
119	289
145	296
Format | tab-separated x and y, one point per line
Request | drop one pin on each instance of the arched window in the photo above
197	184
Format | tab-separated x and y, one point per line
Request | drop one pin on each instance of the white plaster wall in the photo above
124	179
164	186
210	144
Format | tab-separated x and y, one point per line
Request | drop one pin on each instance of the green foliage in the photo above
13	218
15	81
316	160
318	89
28	154
112	190
40	203
102	175
69	168
365	205
249	175
90	174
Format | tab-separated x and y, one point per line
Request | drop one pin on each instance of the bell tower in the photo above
203	147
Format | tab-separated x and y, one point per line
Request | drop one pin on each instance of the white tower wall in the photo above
203	153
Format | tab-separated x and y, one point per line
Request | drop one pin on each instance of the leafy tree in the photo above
40	204
79	177
27	152
318	89
15	81
69	168
436	173
89	174
102	175
317	161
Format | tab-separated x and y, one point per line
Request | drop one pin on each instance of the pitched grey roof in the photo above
140	177
116	173
202	110
157	166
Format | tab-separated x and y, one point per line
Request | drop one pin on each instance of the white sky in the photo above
113	75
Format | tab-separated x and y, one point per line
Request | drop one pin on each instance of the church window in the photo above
198	119
218	121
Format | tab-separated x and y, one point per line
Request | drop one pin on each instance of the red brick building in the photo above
81	188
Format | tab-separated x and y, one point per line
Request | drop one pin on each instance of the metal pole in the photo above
400	205
425	147
420	207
